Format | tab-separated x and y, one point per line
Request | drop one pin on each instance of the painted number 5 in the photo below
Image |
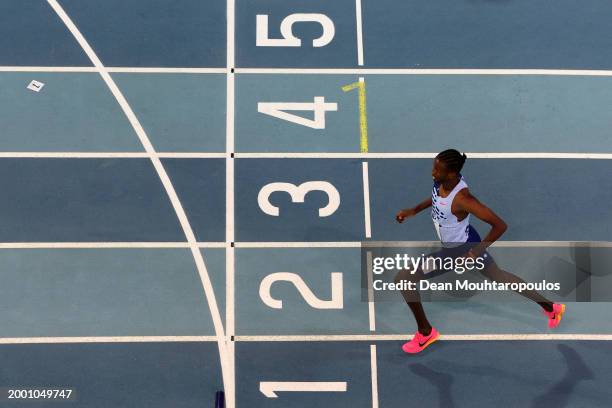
298	193
286	29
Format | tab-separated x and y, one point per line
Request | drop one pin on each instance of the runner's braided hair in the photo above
452	159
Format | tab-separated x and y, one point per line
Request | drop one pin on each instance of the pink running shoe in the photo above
419	342
554	317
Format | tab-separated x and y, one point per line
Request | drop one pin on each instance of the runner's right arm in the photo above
411	212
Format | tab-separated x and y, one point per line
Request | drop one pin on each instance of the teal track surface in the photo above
100	289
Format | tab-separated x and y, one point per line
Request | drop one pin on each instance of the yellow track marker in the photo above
363	116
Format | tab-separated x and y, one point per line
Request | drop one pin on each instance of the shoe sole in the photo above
560	316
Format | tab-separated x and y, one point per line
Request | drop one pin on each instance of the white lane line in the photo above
417	244
161	70
76	155
368	244
229	211
358	16
499	244
230	305
306	338
85	245
111	155
448	337
374	374
298	244
366	200
106	339
330	71
301	155
416	71
46	69
371	305
187	155
165	179
471	155
142	70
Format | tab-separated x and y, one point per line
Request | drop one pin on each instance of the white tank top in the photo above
450	230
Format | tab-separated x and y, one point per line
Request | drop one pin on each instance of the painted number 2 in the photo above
286	29
298	193
336	301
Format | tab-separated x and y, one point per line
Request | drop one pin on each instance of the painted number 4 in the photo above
280	110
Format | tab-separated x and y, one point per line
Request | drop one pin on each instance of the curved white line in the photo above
161	172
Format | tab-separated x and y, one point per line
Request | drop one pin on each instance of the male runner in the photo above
452	204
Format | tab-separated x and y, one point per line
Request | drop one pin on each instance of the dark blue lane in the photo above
475	374
129	375
200	185
340	52
31	34
299	221
48	200
563	34
540	199
303	362
153	33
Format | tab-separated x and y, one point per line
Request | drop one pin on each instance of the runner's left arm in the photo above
468	203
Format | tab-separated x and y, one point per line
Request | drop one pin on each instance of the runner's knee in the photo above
491	272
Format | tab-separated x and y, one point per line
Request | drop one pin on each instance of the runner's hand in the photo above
403	214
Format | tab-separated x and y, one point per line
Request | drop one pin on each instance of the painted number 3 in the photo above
298	193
